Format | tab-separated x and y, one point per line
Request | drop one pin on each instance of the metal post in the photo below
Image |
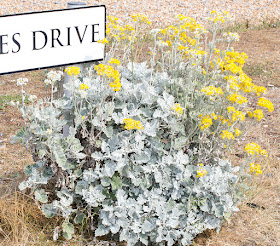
67	78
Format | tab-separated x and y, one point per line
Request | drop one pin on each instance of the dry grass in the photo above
22	223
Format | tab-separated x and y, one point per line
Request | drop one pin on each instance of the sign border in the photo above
57	10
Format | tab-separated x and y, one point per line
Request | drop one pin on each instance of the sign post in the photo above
67	78
72	5
51	38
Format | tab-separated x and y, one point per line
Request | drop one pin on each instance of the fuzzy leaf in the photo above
41	195
49	210
116	183
101	231
68	230
60	157
79	218
109	131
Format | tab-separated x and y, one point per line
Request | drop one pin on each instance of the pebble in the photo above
161	12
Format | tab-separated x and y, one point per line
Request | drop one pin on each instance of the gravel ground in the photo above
161	11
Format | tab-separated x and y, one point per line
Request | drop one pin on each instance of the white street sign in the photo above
51	38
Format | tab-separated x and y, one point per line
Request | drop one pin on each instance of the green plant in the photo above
140	149
7	99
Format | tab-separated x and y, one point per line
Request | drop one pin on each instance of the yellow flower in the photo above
203	71
237	115
177	108
130	124
214	116
258	114
83	87
103	41
113	19
72	70
109	72
255	149
266	103
201	171
142	18
206	122
227	134
231	109
237	132
212	90
237	98
255	168
114	61
259	89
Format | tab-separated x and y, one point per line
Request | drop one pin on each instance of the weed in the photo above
6	99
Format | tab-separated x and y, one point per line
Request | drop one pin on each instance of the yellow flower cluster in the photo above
83	87
224	120
214	116
266	103
237	115
227	134
114	61
177	108
233	61
218	18
131	124
237	98
212	90
118	32
185	39
255	149
206	122
231	109
255	168
237	132
140	17
243	82
109	72
72	71
259	89
256	114
188	23
201	171
194	53
103	41
236	57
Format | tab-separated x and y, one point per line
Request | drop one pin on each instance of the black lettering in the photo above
68	36
93	32
34	40
79	35
57	38
2	44
16	42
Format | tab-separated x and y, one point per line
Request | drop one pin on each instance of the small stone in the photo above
265	126
269	85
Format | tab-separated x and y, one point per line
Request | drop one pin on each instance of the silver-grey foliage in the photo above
141	183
